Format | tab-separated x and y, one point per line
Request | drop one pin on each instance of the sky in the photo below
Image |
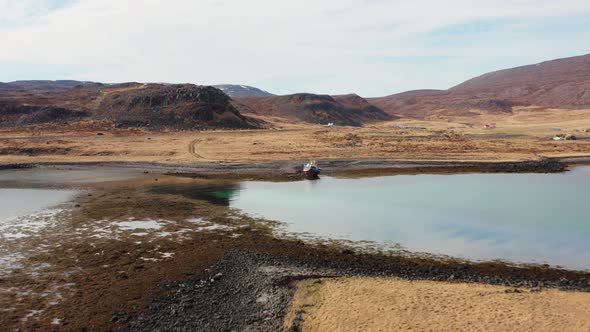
368	47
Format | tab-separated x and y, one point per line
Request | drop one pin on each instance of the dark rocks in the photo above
548	165
36	151
15	114
120	317
251	291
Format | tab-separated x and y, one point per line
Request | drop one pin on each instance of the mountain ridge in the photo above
136	105
559	83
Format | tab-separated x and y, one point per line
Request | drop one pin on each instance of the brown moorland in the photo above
562	83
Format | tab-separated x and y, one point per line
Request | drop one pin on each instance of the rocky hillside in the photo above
562	83
153	106
234	90
350	110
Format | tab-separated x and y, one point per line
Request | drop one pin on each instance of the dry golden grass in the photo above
378	304
523	135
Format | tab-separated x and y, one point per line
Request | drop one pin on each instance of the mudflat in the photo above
387	304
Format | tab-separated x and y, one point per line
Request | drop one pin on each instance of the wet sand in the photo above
380	304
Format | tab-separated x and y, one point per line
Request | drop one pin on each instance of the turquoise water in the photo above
523	218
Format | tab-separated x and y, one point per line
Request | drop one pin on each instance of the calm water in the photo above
15	203
26	211
23	194
525	218
68	176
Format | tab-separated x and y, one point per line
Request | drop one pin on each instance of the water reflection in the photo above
518	217
219	194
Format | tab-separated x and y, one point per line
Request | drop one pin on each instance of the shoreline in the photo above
336	167
214	275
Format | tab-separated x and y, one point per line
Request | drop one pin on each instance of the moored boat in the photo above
311	169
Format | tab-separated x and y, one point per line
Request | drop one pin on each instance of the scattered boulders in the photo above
548	165
251	291
564	137
247	296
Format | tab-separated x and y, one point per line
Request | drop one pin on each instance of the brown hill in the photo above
556	83
41	85
562	83
350	110
153	106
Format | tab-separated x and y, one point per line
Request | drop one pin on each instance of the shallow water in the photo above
17	203
23	213
29	197
65	176
524	218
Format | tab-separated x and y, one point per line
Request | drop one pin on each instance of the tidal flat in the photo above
149	250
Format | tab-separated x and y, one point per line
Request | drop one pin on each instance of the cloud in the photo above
329	46
25	11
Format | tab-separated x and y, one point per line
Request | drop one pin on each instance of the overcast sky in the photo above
371	47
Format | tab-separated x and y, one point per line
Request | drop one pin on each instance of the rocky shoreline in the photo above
251	290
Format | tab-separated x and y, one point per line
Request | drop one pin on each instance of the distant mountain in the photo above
41	85
350	110
233	90
152	106
562	83
558	83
